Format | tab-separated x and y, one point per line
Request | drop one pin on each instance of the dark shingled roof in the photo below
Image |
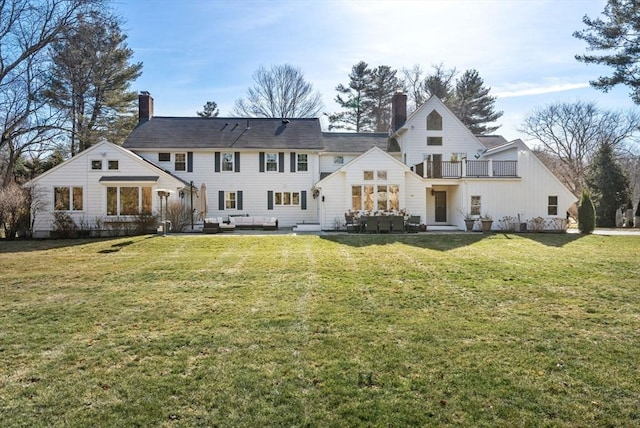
119	178
491	141
223	133
350	142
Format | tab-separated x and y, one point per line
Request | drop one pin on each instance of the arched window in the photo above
434	121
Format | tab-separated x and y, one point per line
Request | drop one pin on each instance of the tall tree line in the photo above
64	82
366	100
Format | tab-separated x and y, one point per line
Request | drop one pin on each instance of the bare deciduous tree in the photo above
27	28
570	133
280	92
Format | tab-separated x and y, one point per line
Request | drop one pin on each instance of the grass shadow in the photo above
438	242
447	241
115	247
32	245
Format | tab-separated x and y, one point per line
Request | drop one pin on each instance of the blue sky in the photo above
195	51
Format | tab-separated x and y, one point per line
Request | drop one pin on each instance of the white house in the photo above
430	166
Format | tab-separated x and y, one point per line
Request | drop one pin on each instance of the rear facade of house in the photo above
428	165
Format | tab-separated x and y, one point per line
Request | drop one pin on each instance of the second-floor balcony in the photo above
467	168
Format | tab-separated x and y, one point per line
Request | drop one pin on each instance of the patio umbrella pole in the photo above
191	197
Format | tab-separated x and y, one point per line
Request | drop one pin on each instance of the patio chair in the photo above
352	224
397	224
413	225
372	224
384	224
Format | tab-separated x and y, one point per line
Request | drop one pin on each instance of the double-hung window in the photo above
476	205
552	207
227	162
180	162
271	162
303	162
230	200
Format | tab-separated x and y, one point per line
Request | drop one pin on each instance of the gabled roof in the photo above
359	158
492	141
226	133
350	142
97	147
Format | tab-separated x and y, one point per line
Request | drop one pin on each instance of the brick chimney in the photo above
145	106
398	110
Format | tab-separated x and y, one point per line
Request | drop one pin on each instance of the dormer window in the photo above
434	121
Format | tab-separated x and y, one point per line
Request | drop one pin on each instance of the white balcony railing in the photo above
467	168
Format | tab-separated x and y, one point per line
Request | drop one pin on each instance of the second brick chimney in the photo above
398	110
145	106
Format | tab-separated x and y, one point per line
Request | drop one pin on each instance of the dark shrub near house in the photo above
586	214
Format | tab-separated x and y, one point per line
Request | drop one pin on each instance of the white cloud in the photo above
528	89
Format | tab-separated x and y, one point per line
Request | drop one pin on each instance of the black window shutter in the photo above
303	200
189	161
261	161
270	199
293	161
239	199
217	161
281	161
221	200
236	158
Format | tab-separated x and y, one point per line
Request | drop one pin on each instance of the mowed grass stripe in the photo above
412	330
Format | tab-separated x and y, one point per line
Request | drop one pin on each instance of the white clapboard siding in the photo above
456	137
77	172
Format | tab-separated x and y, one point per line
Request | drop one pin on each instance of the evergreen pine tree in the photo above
586	214
473	105
353	100
90	79
383	84
608	184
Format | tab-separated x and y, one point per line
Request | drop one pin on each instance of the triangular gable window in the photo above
434	121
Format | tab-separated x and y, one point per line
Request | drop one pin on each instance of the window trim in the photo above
71	198
230	163
374	200
176	161
299	162
431	143
287	199
475	209
273	162
141	200
438	121
230	200
552	209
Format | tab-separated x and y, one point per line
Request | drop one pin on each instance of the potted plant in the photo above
469	221
487	222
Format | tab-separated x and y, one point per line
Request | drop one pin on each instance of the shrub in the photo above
536	224
146	223
14	209
586	214
509	224
179	215
63	225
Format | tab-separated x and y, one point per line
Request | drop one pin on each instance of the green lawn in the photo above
345	330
